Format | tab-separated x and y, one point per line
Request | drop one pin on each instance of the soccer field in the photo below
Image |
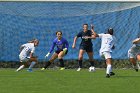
68	81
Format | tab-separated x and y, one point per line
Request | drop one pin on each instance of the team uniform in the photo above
85	44
134	50
61	44
106	45
27	48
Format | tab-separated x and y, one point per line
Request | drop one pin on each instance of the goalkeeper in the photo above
62	49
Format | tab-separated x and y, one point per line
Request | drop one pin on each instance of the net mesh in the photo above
23	21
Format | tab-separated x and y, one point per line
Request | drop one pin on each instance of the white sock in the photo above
21	67
108	69
32	64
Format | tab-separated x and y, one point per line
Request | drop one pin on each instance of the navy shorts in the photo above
58	51
87	48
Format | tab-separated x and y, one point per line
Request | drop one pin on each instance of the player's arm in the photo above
51	49
136	41
21	47
94	34
74	42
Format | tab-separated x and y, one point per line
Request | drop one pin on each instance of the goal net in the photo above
23	21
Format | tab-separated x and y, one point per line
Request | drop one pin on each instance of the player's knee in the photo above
138	57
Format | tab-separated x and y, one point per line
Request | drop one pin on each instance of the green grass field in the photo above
68	81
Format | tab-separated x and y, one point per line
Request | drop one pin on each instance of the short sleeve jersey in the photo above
107	42
85	42
27	49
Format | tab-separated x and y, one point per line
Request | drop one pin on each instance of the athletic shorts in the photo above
58	51
105	54
133	52
24	59
86	48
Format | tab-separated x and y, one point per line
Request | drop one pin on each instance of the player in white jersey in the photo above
26	54
134	53
107	44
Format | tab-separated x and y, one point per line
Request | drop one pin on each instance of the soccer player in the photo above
26	54
60	52
107	44
85	46
134	53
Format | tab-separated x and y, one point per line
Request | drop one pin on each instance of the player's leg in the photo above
60	57
53	57
80	58
23	61
33	61
89	51
132	59
108	58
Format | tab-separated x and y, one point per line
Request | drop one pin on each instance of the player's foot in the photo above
30	70
42	68
136	70
62	68
107	76
112	73
79	69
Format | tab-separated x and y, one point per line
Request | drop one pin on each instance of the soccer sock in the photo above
92	63
80	63
31	65
47	64
61	62
108	69
21	67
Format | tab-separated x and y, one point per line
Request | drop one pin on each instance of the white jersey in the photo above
27	49
107	42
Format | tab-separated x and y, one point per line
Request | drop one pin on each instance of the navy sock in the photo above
47	64
61	62
92	63
80	63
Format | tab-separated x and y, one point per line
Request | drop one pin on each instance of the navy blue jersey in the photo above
85	42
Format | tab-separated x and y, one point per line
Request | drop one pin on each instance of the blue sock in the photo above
32	64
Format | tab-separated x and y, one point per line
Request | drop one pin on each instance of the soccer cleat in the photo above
30	70
79	69
42	68
112	73
62	68
107	76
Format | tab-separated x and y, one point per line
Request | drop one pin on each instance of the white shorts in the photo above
132	52
105	54
24	59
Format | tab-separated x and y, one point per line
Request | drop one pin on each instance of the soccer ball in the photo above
91	69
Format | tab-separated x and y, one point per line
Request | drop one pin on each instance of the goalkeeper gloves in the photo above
64	50
47	54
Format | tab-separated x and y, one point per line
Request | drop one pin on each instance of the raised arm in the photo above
93	32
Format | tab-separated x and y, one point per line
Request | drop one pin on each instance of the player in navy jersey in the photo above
60	52
85	46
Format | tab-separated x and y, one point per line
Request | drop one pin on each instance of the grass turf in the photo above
69	81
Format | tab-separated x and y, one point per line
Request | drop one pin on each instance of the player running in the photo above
134	53
107	44
26	54
62	49
85	46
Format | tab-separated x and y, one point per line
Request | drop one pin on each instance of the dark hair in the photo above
110	31
85	24
59	31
